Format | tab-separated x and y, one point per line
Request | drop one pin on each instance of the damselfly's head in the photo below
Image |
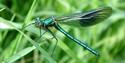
38	22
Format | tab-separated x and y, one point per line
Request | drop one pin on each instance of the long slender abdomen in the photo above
83	44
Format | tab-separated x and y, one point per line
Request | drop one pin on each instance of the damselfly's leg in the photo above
41	34
52	34
53	37
54	48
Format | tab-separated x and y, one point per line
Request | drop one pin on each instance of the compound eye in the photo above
37	19
37	22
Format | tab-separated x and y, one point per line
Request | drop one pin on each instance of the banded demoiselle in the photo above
81	19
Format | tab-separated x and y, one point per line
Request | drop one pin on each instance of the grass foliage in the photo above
18	45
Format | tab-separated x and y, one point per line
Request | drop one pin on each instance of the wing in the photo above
87	19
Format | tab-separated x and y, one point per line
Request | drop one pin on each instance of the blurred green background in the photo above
108	37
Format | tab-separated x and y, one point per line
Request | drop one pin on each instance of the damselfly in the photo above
82	19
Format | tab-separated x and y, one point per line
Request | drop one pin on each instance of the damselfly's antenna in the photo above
28	25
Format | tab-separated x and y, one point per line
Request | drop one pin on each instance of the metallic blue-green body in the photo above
83	44
49	22
83	19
